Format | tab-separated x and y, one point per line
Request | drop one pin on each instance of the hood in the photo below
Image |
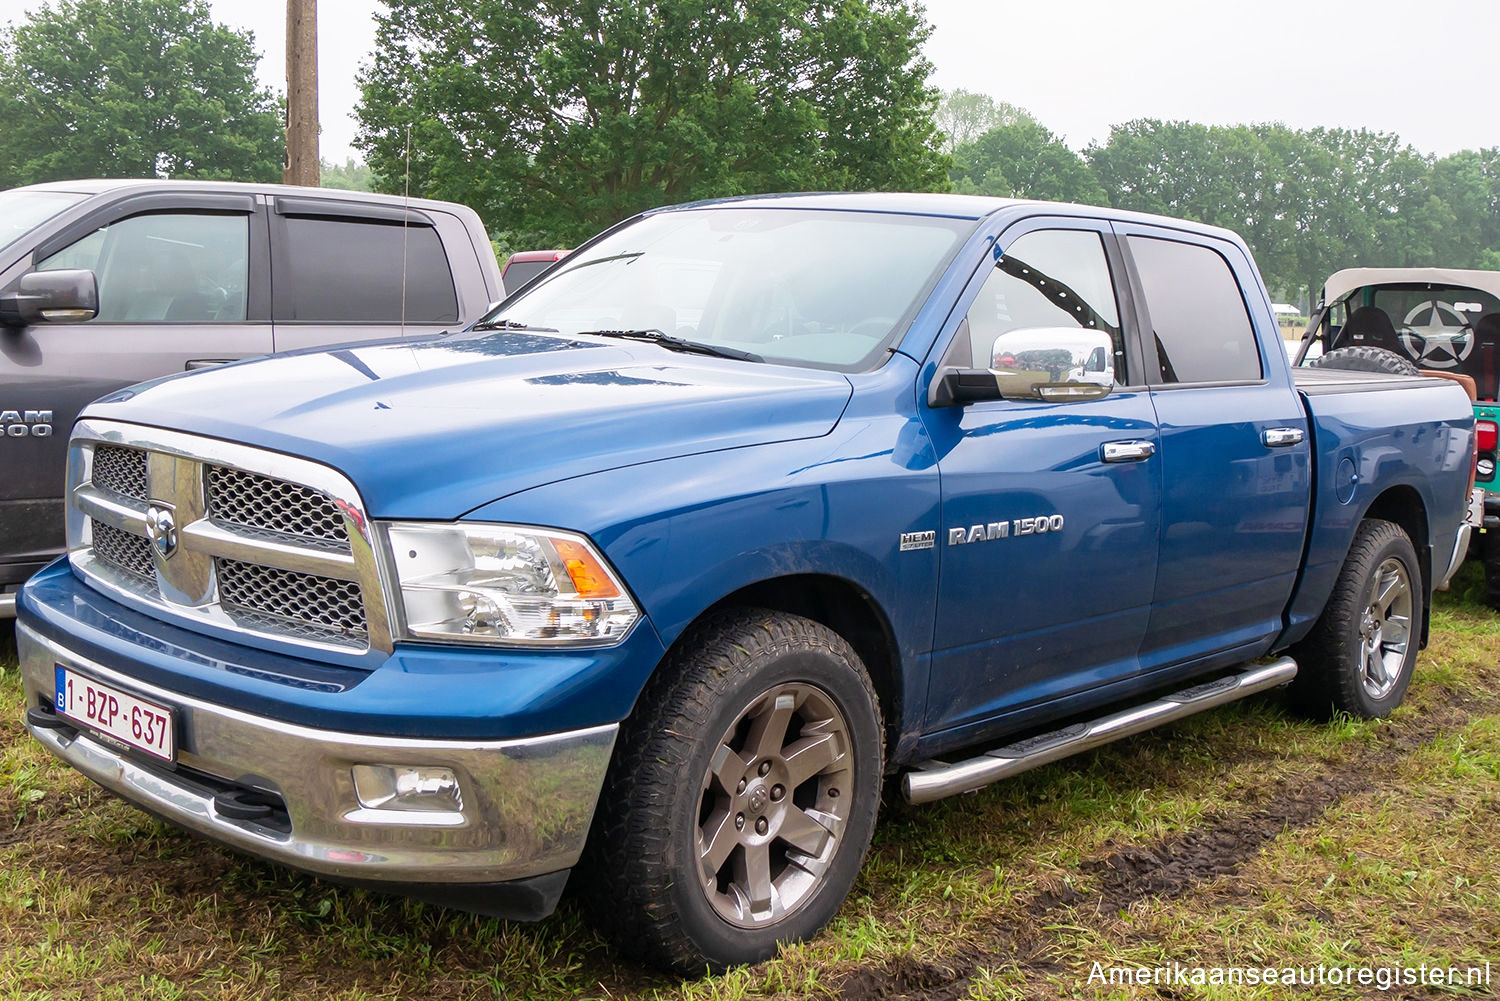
434	429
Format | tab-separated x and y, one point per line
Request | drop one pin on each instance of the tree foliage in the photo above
1468	185
963	116
556	118
351	175
1022	159
133	88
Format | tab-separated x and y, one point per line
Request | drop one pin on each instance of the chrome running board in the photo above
934	780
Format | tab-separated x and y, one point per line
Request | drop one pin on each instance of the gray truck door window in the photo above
347	270
1048	554
333	270
172	268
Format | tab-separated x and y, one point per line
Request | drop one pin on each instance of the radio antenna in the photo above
405	215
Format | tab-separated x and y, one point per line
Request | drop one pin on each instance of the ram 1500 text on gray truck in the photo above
105	283
657	572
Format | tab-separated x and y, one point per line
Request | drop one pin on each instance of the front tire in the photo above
1359	657
742	797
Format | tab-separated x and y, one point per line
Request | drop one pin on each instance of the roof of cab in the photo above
99	186
951	206
911	203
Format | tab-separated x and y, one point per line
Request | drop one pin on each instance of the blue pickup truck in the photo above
655	575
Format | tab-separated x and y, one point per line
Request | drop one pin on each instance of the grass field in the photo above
1242	837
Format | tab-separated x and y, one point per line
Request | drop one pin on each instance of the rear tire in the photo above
1364	358
1359	657
742	796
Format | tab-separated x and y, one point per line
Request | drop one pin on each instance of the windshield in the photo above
22	211
826	289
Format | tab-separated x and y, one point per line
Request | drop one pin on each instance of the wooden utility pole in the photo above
301	93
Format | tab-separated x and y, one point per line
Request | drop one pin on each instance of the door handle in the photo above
205	363
1127	451
1281	437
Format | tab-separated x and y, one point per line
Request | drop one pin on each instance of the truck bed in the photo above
1371	428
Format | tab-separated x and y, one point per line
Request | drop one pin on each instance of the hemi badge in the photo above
918	540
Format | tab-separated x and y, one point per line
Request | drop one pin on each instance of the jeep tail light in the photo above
1486	435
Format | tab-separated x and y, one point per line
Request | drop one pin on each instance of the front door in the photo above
1048	550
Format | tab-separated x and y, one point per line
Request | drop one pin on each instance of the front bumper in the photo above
526	804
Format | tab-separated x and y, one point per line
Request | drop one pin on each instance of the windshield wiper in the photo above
510	325
653	336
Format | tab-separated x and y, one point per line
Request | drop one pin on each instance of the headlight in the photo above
506	584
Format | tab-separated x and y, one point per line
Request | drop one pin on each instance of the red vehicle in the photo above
525	265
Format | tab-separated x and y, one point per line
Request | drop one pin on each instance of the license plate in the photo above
105	709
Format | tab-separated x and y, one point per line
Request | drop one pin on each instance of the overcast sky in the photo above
1424	69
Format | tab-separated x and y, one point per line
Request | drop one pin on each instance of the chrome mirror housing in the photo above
1053	363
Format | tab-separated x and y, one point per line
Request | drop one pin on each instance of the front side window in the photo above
826	289
172	268
1198	315
1055	279
346	270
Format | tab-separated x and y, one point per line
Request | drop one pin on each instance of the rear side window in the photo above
1198	315
351	270
518	273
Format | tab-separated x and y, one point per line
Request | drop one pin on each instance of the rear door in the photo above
345	271
1048	551
182	283
1234	449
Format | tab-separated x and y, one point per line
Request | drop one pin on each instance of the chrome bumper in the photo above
1456	559
526	805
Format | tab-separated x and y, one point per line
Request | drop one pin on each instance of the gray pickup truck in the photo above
104	283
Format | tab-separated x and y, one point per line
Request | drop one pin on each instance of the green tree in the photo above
1468	184
963	116
133	88
351	175
556	118
1355	198
1022	159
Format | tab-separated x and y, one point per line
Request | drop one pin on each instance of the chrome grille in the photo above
130	553
122	470
263	503
254	541
335	605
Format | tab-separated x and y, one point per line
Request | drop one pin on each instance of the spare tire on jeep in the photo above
1363	358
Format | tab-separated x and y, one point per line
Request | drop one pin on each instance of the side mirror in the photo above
1056	364
70	296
